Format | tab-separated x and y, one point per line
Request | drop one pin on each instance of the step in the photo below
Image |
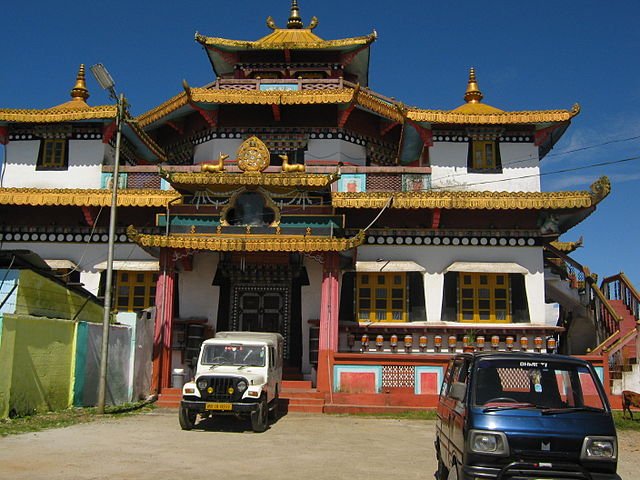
336	408
296	384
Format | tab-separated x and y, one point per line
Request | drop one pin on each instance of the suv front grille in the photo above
220	389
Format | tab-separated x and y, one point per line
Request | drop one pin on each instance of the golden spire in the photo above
79	92
473	93
294	19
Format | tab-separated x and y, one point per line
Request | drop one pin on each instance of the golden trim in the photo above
303	39
204	179
87	197
58	114
503	118
271	97
247	243
162	110
476	200
567	247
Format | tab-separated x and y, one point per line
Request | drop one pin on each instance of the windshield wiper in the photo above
586	408
515	406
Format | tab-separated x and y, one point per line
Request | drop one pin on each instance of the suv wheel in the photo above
187	418
260	417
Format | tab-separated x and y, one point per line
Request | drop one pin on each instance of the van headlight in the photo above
599	448
488	443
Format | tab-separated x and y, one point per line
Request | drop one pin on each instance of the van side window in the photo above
458	380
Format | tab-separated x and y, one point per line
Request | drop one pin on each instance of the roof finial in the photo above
294	19
473	93
79	92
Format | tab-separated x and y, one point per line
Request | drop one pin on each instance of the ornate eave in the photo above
58	114
279	39
472	116
87	197
247	243
212	97
466	200
567	247
202	180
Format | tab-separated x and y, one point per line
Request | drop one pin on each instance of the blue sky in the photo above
527	55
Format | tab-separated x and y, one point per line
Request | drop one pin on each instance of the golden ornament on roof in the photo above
253	155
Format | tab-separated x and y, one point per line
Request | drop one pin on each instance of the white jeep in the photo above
237	373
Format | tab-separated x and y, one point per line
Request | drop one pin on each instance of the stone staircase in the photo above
296	396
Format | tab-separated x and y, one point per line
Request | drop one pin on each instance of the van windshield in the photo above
234	354
550	385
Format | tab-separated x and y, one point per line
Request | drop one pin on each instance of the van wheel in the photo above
187	418
260	418
441	473
453	473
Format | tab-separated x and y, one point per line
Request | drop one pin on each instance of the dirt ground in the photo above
152	446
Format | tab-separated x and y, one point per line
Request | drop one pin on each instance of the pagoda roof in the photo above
58	197
77	110
223	52
247	243
449	199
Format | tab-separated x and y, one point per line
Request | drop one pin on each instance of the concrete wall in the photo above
198	298
37	358
209	151
40	296
336	149
85	166
520	168
435	259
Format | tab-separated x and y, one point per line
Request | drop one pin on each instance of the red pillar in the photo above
164	320
328	335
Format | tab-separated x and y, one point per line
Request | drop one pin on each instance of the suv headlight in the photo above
241	386
599	448
488	443
203	383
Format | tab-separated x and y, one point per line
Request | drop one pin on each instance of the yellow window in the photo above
484	297
381	297
53	153
135	290
484	155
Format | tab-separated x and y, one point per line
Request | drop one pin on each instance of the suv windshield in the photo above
548	385
234	354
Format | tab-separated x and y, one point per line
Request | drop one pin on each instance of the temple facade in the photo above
288	196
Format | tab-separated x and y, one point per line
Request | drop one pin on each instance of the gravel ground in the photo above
152	446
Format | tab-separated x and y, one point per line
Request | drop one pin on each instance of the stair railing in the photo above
605	318
619	287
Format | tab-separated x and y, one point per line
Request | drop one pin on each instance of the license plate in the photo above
217	406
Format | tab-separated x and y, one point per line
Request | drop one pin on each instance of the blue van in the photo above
509	415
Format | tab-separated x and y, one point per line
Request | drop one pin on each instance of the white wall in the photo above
520	168
198	298
210	151
435	259
336	149
85	166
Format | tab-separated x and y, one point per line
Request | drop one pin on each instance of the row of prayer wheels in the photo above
478	343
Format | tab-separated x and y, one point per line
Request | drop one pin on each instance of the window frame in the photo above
476	285
480	147
50	159
148	283
375	288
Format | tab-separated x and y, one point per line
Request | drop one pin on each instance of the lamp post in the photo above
106	82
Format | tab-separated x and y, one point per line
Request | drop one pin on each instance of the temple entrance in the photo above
261	308
261	297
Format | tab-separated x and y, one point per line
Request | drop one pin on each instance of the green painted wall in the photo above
39	296
37	358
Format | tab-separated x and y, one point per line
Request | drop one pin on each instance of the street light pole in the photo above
106	82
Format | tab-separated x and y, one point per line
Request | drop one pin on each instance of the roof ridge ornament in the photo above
80	92
295	22
473	93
